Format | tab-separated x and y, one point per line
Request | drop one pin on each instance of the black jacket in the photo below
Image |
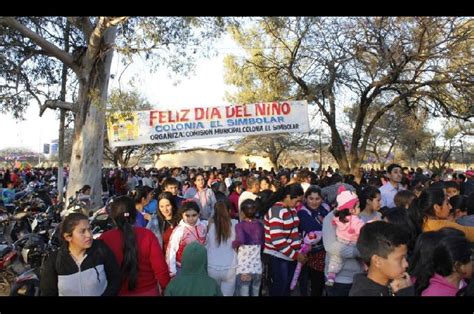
99	273
365	287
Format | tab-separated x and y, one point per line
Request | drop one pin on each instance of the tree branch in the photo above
58	104
51	49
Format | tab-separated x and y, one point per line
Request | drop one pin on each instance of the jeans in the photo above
339	290
316	278
249	288
225	279
281	274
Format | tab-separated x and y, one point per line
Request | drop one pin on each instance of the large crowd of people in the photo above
241	232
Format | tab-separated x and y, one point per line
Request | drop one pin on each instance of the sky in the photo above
206	88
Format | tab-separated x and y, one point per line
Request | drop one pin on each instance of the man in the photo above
389	189
469	184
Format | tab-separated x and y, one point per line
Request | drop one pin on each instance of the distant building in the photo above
208	158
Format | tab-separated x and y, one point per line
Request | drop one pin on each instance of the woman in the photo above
221	257
203	196
282	240
141	196
311	217
137	251
82	266
165	219
431	210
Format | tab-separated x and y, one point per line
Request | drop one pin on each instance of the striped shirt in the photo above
281	232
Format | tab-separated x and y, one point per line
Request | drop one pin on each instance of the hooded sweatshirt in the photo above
366	287
193	279
440	287
182	235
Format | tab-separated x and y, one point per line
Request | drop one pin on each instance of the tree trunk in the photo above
338	152
274	161
87	150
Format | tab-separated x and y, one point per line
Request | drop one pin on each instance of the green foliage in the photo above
377	63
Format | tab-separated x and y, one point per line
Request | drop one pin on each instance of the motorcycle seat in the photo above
4	249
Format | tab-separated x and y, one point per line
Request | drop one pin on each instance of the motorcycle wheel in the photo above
27	288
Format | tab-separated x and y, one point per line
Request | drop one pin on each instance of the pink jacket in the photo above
348	231
182	235
440	287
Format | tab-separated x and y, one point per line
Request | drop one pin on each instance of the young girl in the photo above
189	229
248	243
82	266
282	240
451	265
348	225
137	250
235	190
370	202
221	258
141	195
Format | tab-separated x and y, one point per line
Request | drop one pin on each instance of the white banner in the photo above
159	126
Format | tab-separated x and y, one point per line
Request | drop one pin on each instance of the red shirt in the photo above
234	201
152	267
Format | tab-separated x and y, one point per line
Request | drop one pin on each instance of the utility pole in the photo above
62	117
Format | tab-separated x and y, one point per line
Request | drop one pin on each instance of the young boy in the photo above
451	188
389	189
383	248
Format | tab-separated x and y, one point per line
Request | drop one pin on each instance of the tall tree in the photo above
374	62
32	57
254	86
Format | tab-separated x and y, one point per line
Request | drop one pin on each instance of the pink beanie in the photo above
345	199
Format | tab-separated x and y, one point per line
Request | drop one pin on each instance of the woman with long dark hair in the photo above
82	266
137	251
311	217
221	257
282	240
165	219
431	210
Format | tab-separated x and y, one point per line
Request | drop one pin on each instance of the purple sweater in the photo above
248	233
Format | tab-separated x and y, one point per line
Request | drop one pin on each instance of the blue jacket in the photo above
312	220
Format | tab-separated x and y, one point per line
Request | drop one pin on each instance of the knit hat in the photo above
469	173
345	199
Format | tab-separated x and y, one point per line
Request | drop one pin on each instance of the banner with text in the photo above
159	126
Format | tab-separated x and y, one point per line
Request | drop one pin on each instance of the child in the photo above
451	188
8	194
382	247
451	264
404	198
189	229
458	212
193	280
348	226
248	243
370	204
